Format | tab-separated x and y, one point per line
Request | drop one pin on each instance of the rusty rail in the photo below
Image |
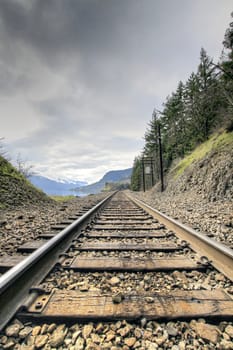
53	305
221	257
15	284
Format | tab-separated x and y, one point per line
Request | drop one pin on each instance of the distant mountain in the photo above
53	187
111	176
80	188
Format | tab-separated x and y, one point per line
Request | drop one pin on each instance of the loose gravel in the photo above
215	219
19	226
137	282
144	335
141	335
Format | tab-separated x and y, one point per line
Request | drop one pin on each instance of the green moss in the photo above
216	142
225	139
6	169
15	189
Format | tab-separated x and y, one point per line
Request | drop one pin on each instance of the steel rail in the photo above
16	283
220	256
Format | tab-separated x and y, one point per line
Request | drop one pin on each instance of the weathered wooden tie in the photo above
123	222
30	246
138	226
123	216
7	261
58	227
118	234
131	264
46	235
123	246
74	305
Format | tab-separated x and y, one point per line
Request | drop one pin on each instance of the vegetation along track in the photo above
122	260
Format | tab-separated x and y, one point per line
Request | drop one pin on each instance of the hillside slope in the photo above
199	189
208	170
15	190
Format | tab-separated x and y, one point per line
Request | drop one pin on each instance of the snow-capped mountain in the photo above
55	187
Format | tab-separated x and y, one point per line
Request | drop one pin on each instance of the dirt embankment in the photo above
25	212
16	191
199	189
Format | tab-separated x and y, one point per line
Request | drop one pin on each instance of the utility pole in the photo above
160	151
160	158
152	172
143	175
147	172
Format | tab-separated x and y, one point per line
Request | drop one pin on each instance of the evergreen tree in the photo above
173	125
207	102
151	142
151	148
227	73
227	63
191	96
193	111
203	100
136	175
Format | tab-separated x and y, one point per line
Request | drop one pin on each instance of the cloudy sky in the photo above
79	78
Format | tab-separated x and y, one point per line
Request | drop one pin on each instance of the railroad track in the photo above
121	261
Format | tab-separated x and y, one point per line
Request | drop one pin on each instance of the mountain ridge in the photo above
111	176
53	187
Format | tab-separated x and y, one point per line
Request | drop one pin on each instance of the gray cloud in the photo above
80	78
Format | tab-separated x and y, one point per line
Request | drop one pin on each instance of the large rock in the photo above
13	330
58	336
87	329
41	340
206	331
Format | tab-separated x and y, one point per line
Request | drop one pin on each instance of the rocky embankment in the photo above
25	212
20	224
200	194
201	197
16	191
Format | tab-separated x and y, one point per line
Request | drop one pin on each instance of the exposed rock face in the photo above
202	196
211	177
16	193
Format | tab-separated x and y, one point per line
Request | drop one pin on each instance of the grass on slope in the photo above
6	169
216	142
62	198
15	188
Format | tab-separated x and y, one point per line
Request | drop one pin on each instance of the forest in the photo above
198	107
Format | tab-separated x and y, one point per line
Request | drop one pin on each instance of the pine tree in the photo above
151	142
209	100
136	175
193	111
191	96
227	73
173	122
227	63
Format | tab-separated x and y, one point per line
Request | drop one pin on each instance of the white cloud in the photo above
80	79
